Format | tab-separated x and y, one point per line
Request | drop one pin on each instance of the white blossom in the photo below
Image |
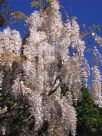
54	55
98	39
96	85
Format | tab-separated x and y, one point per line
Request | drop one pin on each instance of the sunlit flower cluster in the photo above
98	39
96	85
10	45
53	54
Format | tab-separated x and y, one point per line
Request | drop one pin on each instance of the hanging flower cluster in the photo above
51	56
96	86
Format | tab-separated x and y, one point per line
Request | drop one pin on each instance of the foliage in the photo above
44	5
64	89
89	117
15	115
3	13
8	15
18	15
89	30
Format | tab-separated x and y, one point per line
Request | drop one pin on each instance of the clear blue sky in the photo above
88	11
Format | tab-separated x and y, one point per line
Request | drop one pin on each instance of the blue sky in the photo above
87	11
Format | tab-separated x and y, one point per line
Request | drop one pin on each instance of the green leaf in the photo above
34	3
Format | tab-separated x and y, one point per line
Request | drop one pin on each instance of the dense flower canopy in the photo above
51	55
